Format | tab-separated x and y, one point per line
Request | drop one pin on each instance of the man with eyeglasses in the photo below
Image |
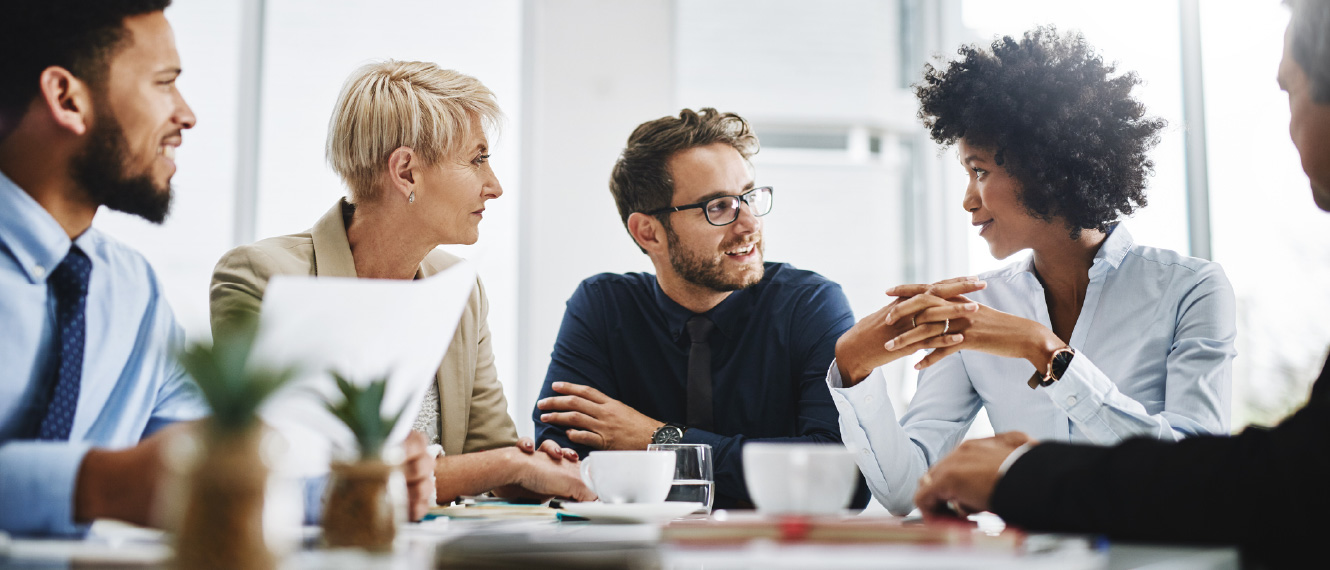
717	347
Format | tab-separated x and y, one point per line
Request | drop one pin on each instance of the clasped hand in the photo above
983	328
922	316
939	317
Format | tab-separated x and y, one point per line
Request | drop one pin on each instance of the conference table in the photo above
548	542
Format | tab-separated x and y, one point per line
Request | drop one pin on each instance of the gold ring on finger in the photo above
946	326
912	323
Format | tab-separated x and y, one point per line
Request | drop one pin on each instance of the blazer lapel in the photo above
332	251
454	397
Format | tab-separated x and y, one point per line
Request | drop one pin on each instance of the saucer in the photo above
631	512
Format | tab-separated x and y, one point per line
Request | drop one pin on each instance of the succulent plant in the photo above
231	388
359	410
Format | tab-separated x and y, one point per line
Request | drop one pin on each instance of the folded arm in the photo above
510	472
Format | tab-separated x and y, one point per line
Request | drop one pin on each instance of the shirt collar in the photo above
727	315
1110	254
1114	249
31	235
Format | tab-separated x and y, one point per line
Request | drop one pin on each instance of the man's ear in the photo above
402	165
67	98
648	232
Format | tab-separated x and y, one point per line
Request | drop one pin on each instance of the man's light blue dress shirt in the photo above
1154	354
131	383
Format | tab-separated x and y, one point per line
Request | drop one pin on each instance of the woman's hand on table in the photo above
548	447
544	476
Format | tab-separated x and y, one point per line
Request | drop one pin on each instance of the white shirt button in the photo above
868	399
38	271
864	451
1071	400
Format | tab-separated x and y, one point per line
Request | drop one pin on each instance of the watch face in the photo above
668	434
1061	361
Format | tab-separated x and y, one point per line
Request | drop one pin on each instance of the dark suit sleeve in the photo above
1264	489
580	356
819	318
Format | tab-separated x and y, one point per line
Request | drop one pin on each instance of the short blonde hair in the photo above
392	104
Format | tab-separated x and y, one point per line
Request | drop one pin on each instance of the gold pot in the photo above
360	512
222	525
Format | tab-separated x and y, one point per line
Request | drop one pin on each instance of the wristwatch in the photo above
1056	367
668	433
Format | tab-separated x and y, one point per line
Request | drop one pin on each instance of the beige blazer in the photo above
473	413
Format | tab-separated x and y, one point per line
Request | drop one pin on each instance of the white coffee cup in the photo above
800	478
629	476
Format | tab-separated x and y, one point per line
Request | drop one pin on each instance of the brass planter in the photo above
359	512
222	525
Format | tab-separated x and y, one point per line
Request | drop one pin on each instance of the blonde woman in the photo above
409	141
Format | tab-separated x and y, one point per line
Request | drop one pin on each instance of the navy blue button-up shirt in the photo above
771	348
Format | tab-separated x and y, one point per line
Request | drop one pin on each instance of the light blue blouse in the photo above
1154	353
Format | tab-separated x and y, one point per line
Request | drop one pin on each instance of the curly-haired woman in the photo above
1123	340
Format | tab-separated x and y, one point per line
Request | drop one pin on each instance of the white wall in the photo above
184	249
595	70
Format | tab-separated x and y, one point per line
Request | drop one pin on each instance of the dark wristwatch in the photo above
668	433
1056	367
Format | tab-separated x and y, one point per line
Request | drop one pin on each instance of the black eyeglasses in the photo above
723	210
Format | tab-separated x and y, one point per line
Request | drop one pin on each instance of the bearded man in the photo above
718	347
90	116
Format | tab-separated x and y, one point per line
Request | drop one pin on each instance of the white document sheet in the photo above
365	329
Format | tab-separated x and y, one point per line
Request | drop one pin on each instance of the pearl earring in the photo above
412	198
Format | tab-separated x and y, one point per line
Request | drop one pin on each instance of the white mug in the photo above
629	476
800	478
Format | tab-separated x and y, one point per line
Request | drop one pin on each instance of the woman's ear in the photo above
402	165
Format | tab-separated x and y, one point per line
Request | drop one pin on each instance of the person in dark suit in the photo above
1264	489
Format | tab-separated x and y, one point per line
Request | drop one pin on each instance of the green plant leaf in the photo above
233	392
359	410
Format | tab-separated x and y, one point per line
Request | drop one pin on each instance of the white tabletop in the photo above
531	544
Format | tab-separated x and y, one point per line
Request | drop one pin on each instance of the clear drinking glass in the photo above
694	479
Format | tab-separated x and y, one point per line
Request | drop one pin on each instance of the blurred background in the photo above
863	196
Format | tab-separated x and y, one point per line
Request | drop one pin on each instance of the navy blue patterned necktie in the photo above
69	285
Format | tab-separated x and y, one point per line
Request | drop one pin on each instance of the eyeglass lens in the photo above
724	210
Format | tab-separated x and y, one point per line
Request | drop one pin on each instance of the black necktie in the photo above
69	285
699	374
